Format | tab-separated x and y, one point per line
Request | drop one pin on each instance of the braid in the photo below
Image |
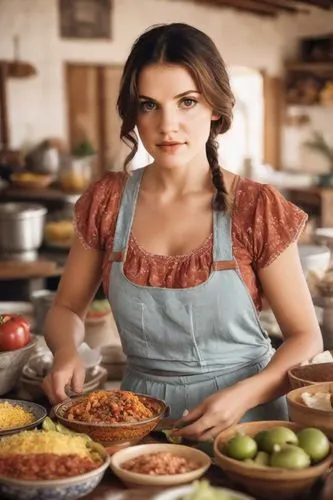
220	201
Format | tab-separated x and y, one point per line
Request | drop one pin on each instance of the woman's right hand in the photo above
67	371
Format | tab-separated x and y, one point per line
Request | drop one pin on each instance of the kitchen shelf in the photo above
47	194
323	67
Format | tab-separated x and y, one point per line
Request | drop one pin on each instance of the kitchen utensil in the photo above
21	227
10	69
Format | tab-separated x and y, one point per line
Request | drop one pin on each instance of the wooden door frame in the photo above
101	98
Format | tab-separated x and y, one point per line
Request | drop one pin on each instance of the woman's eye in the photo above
188	102
147	106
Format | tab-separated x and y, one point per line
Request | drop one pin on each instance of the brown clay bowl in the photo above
267	483
300	376
311	417
111	434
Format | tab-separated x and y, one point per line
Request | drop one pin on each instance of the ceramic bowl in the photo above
110	434
38	411
54	489
179	493
11	365
268	483
311	417
136	480
31	181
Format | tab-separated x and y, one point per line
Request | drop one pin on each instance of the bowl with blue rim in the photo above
34	412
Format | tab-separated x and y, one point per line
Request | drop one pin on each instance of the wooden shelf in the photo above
47	194
311	67
13	270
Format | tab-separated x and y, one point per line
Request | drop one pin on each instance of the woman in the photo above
186	251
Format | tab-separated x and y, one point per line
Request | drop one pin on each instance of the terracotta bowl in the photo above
268	483
311	417
301	376
110	434
136	480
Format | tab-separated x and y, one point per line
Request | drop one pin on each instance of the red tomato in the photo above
14	332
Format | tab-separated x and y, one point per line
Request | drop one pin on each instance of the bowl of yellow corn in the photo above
17	415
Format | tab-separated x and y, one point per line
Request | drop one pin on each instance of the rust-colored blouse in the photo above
264	224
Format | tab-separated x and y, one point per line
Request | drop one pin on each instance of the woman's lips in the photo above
171	147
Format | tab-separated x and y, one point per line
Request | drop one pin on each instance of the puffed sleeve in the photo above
277	223
96	211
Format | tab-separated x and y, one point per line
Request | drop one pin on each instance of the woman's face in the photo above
173	118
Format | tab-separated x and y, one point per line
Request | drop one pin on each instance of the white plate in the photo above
178	493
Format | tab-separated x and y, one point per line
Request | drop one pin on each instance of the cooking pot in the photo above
21	227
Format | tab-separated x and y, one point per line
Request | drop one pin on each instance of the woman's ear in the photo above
215	117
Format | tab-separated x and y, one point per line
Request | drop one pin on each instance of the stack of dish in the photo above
39	364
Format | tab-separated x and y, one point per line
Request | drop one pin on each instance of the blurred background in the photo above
60	67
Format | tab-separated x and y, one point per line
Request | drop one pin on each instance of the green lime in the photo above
259	438
241	447
290	457
262	458
278	435
314	443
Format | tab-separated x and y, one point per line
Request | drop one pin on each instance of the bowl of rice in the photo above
45	464
17	415
112	417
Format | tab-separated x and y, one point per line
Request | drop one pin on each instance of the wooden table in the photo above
111	488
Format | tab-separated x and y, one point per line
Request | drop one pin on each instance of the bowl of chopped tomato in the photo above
112	417
50	464
159	465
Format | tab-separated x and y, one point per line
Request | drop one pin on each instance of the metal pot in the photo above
21	227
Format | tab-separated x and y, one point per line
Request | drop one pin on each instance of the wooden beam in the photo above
286	6
254	6
323	4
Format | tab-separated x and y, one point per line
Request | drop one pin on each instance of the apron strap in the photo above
126	212
222	243
224	265
116	257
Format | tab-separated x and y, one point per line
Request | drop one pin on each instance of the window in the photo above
245	138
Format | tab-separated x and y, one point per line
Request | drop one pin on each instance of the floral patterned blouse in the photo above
264	224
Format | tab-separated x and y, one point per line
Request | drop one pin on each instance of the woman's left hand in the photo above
215	413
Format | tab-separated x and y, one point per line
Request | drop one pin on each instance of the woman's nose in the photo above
169	121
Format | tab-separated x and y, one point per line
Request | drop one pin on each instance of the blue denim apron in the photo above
185	344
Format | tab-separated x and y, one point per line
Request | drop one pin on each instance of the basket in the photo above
302	376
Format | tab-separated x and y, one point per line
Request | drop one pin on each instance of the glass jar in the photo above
76	174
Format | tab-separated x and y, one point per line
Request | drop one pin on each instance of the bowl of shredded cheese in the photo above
17	415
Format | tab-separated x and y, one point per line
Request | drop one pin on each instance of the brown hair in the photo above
181	44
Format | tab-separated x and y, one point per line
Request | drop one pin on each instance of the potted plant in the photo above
319	144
